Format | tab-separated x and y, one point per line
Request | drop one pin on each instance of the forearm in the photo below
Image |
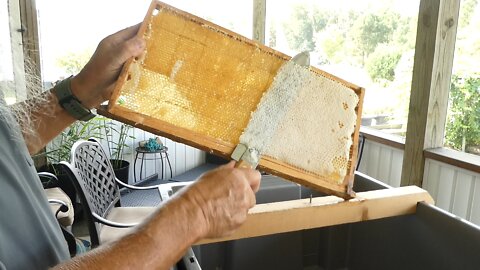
158	244
46	120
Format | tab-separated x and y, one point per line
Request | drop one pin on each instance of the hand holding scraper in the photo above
264	121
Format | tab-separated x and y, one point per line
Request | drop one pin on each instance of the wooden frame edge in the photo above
289	216
343	189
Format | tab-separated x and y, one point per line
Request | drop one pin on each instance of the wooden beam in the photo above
259	19
442	73
289	216
31	43
432	70
16	42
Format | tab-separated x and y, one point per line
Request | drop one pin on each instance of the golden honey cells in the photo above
206	82
196	78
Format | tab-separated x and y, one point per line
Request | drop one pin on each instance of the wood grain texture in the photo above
436	33
442	72
30	39
289	216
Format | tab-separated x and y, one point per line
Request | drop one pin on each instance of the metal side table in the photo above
159	154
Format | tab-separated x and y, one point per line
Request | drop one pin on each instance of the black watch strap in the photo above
71	103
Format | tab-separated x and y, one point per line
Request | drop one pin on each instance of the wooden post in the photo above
31	43
16	42
259	18
432	70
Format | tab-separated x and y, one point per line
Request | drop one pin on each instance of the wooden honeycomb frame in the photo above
201	140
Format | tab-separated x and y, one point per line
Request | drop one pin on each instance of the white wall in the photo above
454	189
382	162
182	157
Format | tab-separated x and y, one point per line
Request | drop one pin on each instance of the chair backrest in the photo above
92	175
97	177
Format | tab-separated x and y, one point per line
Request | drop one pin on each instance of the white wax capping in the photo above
305	120
271	108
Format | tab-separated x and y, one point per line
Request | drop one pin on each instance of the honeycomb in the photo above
210	82
316	126
195	77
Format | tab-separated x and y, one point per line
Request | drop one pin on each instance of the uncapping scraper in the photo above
265	119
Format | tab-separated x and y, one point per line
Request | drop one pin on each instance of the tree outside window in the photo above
462	131
369	43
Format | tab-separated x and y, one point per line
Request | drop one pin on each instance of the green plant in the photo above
59	149
382	63
463	122
116	135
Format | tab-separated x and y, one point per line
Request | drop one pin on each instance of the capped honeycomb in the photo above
200	84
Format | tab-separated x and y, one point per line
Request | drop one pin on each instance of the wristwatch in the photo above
71	103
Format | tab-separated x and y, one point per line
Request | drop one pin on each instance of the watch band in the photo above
71	103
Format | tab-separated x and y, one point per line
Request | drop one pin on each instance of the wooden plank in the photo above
434	50
455	158
289	216
442	72
259	18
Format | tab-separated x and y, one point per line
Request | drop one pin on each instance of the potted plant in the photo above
116	135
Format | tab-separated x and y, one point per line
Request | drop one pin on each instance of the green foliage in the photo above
467	8
404	36
463	122
116	134
370	30
319	19
60	148
382	63
300	29
332	43
73	62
